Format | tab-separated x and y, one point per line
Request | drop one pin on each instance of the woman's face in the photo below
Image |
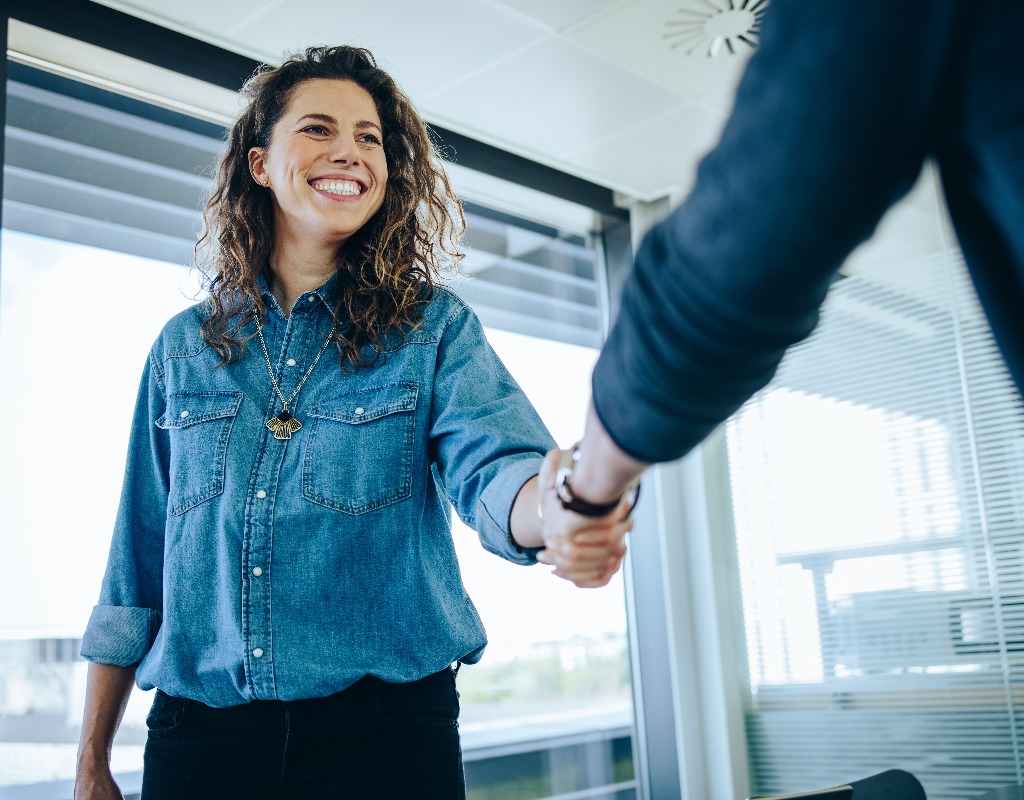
325	164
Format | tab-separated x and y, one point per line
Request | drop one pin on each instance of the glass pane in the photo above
548	710
76	324
531	278
101	199
876	487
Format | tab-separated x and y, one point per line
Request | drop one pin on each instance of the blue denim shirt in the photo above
244	567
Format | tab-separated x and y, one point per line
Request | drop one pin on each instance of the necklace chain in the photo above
285	424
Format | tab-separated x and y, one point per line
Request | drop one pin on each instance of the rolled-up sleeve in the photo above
486	438
119	635
125	622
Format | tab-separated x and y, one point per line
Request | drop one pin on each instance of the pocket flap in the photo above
367	405
189	408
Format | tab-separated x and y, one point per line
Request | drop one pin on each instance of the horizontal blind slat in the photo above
878	499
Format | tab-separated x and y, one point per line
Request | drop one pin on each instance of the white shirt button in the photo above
290	362
183	414
257	571
312	298
261	493
258	652
360	410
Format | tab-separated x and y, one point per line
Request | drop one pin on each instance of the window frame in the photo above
652	608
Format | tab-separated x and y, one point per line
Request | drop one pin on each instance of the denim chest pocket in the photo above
358	453
198	426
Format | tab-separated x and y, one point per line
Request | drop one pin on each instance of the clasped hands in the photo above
585	550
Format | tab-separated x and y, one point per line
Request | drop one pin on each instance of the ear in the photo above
258	166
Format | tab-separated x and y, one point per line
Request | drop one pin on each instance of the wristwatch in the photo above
570	502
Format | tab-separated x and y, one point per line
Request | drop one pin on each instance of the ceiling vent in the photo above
703	27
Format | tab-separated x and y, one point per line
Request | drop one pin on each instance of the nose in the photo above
345	150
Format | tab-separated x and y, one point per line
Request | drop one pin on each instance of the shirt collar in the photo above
325	293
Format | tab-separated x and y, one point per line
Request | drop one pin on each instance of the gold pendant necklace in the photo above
285	424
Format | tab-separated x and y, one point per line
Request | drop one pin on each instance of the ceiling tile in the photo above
425	46
559	14
550	100
495	70
656	158
211	21
639	37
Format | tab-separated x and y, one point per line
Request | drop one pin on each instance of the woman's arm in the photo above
486	440
107	690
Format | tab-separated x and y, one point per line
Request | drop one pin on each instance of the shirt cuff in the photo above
496	501
119	635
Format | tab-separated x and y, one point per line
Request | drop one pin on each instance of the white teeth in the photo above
338	187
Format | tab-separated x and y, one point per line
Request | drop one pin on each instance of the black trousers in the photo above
374	740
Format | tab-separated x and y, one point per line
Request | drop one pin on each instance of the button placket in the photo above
294	342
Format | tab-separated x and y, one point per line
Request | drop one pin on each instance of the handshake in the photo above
584	542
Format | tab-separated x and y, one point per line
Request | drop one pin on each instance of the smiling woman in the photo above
282	568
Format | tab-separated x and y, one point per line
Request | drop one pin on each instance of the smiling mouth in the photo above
341	188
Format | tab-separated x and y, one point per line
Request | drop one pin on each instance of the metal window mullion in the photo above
656	750
4	20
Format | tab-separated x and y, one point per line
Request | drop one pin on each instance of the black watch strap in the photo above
570	502
585	508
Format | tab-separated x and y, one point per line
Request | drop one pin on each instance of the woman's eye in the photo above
370	137
319	130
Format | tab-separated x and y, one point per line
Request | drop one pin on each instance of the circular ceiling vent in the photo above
702	27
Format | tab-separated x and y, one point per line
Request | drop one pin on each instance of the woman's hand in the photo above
106	694
96	782
585	550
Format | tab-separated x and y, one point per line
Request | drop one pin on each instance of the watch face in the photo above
563	478
563	486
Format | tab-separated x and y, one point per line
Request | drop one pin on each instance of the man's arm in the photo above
831	123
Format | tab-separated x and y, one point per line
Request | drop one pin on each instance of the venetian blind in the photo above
88	166
878	496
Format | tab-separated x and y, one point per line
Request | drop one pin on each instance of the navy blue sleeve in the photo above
830	127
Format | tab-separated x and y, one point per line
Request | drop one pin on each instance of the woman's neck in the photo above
292	273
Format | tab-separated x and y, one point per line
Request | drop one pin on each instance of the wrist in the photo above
93	754
594	484
594	500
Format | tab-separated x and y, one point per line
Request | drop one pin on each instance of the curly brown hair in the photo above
387	270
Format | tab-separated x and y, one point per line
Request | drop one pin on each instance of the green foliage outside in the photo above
539	679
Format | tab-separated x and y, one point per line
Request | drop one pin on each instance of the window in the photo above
61	479
878	498
101	212
548	711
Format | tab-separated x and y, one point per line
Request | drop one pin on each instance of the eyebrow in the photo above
363	123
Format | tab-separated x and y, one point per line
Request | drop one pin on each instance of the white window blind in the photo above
878	497
87	166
